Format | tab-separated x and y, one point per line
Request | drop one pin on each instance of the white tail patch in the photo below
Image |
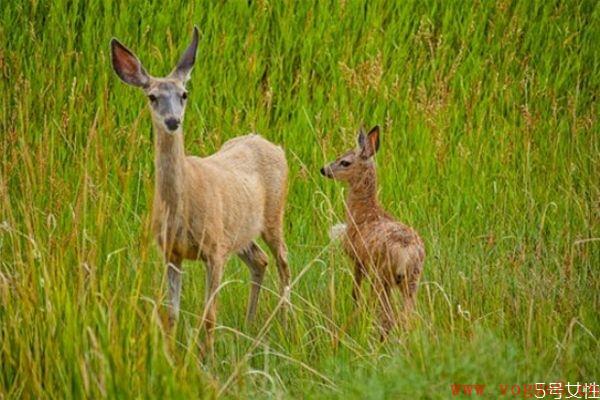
405	258
337	231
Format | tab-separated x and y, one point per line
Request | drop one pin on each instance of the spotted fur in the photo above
389	252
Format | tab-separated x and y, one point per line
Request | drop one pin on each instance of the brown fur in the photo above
391	253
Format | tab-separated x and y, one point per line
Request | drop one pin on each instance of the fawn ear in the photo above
370	142
184	67
362	138
127	65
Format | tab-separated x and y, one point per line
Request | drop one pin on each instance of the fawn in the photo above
382	248
209	208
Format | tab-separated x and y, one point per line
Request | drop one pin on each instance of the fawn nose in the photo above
172	123
322	170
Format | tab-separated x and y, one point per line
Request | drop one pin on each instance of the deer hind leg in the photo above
387	320
274	239
408	287
256	259
358	277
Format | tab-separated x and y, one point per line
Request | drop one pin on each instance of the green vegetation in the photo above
490	149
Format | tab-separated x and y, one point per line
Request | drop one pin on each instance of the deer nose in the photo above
322	170
172	123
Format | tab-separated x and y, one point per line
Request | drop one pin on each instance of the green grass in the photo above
490	149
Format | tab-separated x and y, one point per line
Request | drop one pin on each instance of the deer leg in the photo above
277	246
386	313
174	282
409	290
256	259
409	305
214	273
358	277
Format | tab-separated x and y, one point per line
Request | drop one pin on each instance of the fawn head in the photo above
353	163
167	96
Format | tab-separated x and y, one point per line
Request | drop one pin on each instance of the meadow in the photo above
490	148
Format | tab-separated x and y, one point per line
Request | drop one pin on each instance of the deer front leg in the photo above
174	282
214	273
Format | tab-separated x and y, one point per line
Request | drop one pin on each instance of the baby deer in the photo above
391	253
209	208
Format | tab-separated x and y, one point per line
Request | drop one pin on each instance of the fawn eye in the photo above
152	98
345	163
184	95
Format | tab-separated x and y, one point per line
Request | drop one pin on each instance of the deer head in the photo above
166	96
353	163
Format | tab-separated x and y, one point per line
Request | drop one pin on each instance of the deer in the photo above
208	209
387	251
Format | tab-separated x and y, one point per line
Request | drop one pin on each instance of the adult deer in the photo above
209	208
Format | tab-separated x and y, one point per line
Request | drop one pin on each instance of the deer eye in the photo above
184	95
345	163
152	98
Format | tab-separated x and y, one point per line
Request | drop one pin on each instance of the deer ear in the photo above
184	67
374	138
127	65
371	143
362	138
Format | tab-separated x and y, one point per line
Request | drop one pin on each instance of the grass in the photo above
490	149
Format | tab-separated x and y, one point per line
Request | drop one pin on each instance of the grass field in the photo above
490	149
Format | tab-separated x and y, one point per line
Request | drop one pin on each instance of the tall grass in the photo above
490	149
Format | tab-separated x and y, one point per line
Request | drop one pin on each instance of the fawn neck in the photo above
361	202
168	161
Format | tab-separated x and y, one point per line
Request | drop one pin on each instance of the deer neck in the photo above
169	160
362	203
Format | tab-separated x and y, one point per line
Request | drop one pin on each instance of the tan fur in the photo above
209	208
391	253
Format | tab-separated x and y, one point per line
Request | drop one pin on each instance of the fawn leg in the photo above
358	277
386	313
256	259
409	305
410	291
